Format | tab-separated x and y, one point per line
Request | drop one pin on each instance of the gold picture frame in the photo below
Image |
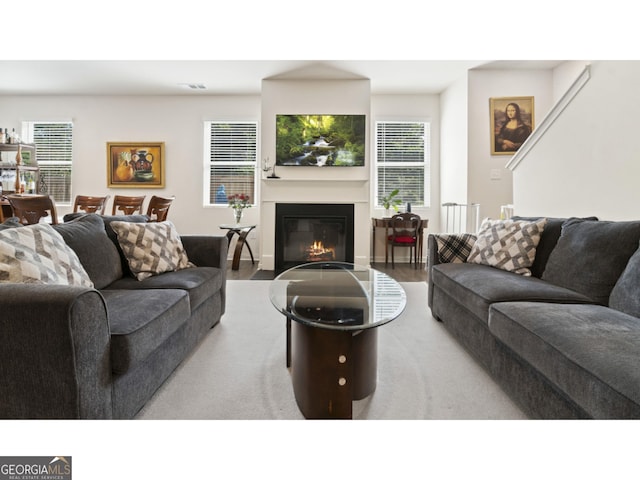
512	121
135	165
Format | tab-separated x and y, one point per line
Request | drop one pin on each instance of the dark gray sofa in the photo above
564	342
101	353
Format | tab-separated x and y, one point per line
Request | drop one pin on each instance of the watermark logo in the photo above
35	468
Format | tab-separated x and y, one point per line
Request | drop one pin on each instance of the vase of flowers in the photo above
238	201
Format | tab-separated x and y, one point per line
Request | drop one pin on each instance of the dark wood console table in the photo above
386	224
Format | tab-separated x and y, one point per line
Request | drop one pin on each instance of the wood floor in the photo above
403	272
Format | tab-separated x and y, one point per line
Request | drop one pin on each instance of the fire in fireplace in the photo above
319	253
313	233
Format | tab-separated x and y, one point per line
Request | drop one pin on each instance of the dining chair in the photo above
90	204
127	205
158	208
405	232
30	209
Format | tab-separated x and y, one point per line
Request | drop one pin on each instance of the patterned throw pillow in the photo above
507	244
151	248
454	247
38	254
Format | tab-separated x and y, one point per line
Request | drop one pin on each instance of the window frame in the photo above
28	130
426	163
209	163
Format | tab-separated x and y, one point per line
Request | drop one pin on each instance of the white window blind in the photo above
403	162
54	142
231	160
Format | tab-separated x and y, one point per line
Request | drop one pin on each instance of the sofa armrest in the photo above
55	358
206	250
432	259
456	248
209	251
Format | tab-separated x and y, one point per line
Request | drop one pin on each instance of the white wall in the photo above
417	108
453	166
314	185
177	121
483	85
588	162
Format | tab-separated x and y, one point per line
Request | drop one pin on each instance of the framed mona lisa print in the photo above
512	121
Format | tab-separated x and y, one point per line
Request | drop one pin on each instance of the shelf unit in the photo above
13	174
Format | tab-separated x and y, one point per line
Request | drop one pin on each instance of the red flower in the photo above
239	201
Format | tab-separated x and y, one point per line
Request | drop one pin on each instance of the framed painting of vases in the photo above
512	121
135	164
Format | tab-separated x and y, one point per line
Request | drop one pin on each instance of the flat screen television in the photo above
320	140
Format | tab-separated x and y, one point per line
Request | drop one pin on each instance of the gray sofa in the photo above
101	353
564	342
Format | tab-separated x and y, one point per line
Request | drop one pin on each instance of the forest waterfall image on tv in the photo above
320	140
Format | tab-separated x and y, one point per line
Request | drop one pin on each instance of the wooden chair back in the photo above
405	230
30	209
90	204
159	208
127	205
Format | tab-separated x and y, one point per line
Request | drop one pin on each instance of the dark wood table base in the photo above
242	232
332	368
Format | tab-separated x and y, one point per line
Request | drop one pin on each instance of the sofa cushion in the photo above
99	256
454	247
140	321
507	244
591	255
548	240
624	296
107	219
200	283
589	352
11	222
478	286
39	254
151	248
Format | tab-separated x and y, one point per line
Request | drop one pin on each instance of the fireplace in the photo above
313	232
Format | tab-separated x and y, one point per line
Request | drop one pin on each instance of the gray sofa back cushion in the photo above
590	256
548	241
107	219
87	237
11	222
624	296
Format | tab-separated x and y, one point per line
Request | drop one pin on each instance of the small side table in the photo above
242	231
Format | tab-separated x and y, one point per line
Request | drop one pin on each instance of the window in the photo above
402	161
53	142
231	160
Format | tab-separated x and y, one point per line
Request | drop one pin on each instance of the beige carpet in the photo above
238	371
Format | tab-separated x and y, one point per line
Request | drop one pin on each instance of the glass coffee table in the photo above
332	341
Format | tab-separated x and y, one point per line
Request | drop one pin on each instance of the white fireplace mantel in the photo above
351	191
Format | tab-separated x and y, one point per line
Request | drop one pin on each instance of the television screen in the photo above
320	140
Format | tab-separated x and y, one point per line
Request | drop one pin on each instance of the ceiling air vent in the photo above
194	86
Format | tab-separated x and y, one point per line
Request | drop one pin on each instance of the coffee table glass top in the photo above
337	295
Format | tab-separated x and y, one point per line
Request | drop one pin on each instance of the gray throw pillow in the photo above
590	256
507	244
39	254
624	296
151	248
114	238
86	235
